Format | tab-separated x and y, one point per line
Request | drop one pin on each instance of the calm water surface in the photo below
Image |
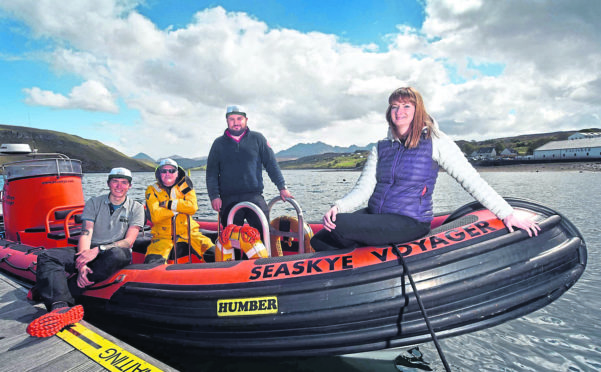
564	336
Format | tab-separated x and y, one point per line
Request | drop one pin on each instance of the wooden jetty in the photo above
21	352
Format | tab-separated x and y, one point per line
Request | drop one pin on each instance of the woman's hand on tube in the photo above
329	218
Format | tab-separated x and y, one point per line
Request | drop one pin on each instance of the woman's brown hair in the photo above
421	119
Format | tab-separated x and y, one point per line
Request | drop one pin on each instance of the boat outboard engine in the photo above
38	195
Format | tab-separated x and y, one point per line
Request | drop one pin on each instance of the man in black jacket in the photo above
234	170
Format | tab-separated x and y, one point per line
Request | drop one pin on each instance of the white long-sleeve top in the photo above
450	158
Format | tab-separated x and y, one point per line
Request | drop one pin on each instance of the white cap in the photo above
168	161
120	173
235	110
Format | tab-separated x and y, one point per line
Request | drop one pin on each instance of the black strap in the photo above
423	310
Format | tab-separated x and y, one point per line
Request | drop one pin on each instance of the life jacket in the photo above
180	203
245	238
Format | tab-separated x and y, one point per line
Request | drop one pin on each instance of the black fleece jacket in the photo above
236	167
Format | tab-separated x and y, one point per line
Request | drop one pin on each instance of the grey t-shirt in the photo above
111	228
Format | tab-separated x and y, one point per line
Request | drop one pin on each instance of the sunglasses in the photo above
168	171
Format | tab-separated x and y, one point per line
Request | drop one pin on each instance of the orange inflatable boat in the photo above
470	273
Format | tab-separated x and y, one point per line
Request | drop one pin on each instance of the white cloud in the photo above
551	56
305	87
91	95
45	98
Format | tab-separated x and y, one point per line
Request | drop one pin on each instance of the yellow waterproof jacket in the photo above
178	204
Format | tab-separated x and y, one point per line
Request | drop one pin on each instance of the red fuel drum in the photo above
34	190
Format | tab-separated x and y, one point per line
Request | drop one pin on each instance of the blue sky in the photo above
155	76
358	22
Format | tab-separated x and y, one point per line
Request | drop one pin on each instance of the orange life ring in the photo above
288	224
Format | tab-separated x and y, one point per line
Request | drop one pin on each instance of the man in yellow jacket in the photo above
170	201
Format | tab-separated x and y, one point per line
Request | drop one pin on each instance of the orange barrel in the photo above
33	187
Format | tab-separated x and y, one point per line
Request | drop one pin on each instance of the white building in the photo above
484	153
587	148
584	135
509	153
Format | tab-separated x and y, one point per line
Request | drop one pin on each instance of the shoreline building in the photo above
484	153
577	149
579	135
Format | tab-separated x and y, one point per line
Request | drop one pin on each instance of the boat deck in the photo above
20	352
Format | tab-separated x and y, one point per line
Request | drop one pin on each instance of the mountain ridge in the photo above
316	148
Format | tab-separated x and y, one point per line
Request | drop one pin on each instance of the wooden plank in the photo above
26	353
69	362
18	315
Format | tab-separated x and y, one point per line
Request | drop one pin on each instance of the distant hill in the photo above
143	156
95	156
306	149
187	163
146	159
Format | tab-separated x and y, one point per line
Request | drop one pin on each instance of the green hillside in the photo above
95	156
354	160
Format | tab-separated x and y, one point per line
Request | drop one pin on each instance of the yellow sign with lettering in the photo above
247	306
104	352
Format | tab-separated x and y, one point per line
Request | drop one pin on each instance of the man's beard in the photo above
236	133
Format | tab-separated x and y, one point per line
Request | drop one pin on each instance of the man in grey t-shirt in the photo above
109	229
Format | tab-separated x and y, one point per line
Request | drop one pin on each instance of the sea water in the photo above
563	336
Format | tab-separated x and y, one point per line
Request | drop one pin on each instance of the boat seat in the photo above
60	234
43	229
61	215
57	230
465	220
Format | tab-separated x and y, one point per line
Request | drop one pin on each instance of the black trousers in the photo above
55	265
253	220
362	228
